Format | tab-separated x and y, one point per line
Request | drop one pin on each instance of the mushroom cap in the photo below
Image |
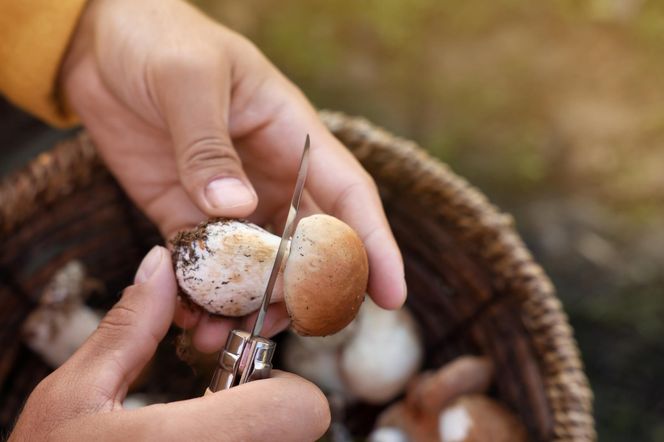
325	276
383	354
223	265
332	342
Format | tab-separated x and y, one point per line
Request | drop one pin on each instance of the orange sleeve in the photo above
34	35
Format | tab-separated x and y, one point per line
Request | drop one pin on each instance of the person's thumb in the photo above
128	335
193	92
284	407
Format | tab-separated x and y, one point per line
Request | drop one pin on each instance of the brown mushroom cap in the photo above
433	391
325	276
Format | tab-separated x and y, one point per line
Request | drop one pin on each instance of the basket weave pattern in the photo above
473	286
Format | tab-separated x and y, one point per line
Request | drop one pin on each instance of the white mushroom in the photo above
372	359
439	408
61	322
140	400
383	354
223	266
55	334
319	365
388	434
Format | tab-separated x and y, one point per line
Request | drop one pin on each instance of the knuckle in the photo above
45	387
208	151
120	317
346	197
176	61
45	408
245	45
369	182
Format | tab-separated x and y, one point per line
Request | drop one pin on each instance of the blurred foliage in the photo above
555	109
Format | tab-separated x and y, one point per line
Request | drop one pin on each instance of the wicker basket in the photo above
473	286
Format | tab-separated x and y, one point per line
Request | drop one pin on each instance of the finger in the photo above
340	186
280	118
277	220
193	91
276	320
212	331
352	196
187	315
284	407
128	335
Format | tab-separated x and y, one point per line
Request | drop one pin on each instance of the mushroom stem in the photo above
224	265
477	418
61	322
383	354
465	375
55	334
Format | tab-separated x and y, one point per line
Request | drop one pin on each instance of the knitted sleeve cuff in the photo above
34	36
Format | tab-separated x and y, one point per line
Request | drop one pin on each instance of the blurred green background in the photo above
555	109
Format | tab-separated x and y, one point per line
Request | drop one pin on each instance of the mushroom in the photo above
139	400
477	418
316	358
320	366
434	390
56	333
62	322
383	354
388	434
445	406
372	359
407	423
223	266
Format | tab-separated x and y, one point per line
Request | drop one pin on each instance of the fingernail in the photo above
227	193
149	265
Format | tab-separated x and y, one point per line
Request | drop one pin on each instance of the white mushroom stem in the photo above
61	322
56	333
454	424
414	426
224	265
329	343
319	365
383	354
372	359
388	434
316	358
477	418
472	418
140	400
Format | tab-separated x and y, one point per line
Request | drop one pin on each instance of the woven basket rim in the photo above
493	234
70	165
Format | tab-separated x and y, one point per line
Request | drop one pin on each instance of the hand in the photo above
82	400
195	122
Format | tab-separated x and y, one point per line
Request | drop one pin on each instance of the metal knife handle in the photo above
245	358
